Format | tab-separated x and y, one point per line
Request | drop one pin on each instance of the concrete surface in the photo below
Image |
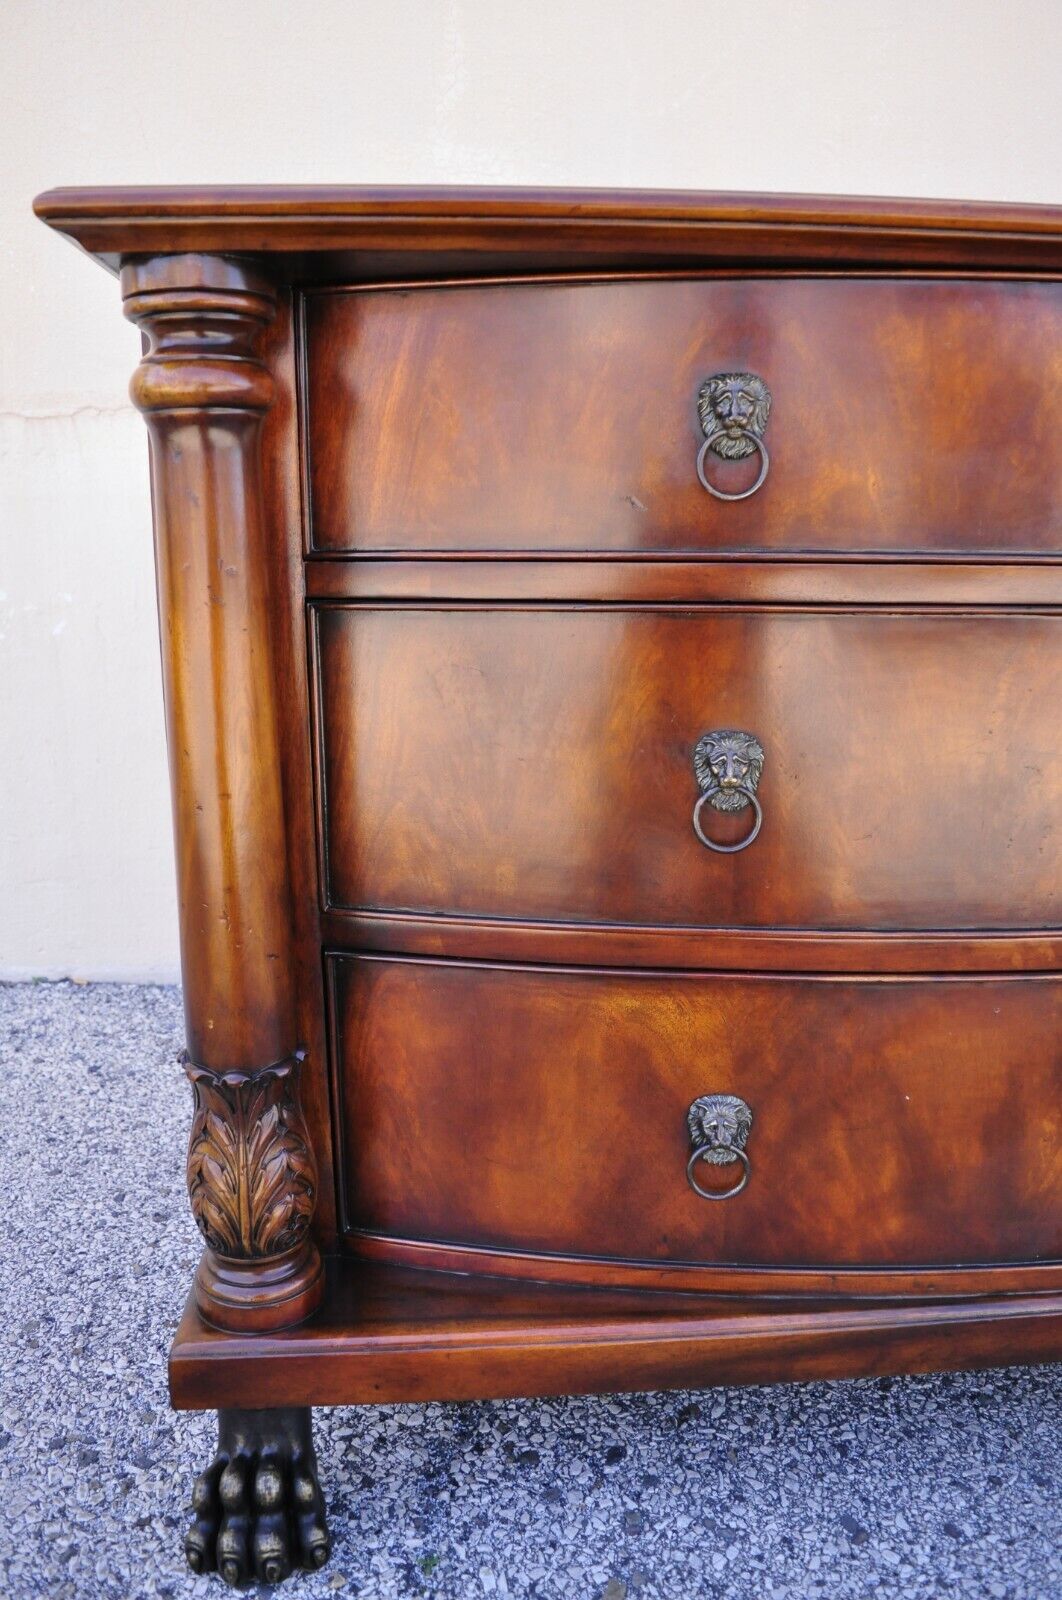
929	1487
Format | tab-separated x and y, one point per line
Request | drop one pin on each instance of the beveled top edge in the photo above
264	200
480	228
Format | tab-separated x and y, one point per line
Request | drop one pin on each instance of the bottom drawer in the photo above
894	1121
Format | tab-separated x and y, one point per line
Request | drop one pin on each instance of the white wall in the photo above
955	98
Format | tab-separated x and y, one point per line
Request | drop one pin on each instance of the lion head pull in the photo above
728	765
733	408
719	1126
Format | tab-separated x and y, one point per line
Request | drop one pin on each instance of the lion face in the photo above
719	1124
726	763
735	404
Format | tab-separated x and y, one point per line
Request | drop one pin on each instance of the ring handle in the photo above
728	763
709	443
712	1152
742	844
733	408
719	1127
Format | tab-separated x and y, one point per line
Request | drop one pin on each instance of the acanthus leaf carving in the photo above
252	1178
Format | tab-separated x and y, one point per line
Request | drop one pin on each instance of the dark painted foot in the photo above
259	1511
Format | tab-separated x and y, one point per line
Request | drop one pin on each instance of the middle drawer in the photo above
544	764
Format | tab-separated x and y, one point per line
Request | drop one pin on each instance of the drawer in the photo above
539	765
894	1121
911	415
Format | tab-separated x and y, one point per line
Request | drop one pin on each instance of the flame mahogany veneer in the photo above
444	612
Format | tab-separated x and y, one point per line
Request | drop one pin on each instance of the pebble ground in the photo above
928	1487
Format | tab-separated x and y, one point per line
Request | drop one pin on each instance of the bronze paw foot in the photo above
259	1511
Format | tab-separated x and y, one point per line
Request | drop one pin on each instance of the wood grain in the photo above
283	559
896	1122
725	949
386	1334
906	415
650	580
537	764
343	232
798	1285
204	388
475	413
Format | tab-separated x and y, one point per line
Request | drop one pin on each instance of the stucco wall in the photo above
853	96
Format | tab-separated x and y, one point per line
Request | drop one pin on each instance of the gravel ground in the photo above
933	1486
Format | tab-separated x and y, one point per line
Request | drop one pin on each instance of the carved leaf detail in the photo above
213	1169
251	1172
281	1177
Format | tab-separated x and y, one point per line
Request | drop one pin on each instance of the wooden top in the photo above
366	233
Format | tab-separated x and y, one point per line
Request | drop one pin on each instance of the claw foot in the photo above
258	1508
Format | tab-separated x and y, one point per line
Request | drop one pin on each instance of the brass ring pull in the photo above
742	844
728	764
719	1126
715	438
712	1153
733	408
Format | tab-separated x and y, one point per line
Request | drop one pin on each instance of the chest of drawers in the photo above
612	667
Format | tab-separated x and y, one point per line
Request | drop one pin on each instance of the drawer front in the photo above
910	415
538	765
894	1122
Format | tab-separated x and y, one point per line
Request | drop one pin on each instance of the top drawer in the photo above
909	415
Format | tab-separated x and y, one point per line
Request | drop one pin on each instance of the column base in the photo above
261	1296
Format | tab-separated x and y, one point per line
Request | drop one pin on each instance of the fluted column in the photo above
204	391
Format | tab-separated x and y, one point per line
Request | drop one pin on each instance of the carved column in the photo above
251	1174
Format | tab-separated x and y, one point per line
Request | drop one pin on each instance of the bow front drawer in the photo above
880	1122
915	415
706	768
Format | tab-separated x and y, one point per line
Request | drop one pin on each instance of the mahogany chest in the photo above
612	667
